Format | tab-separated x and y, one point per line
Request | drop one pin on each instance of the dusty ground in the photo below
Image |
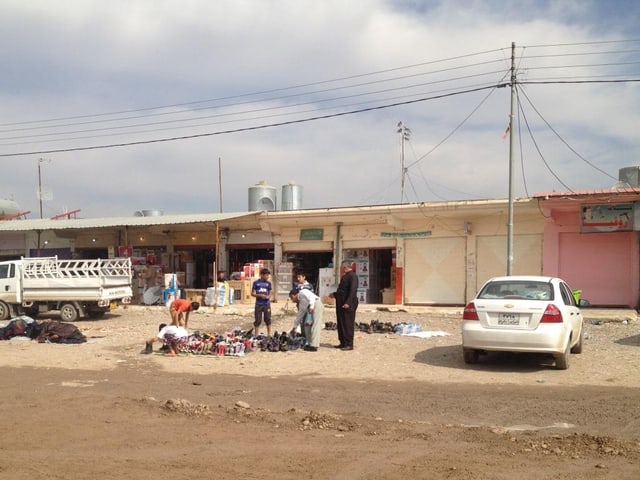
395	407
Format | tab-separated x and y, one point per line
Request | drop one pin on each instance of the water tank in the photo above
262	197
8	208
630	176
291	196
148	213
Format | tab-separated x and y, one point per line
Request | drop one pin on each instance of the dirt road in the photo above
396	407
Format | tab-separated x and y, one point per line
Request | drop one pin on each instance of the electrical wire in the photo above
560	136
276	90
244	129
544	160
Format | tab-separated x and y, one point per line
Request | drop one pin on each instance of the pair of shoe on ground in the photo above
344	347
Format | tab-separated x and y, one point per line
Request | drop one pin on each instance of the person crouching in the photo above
172	336
309	316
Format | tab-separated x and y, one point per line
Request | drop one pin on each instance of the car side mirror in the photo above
584	303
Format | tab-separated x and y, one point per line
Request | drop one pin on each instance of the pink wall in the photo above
605	266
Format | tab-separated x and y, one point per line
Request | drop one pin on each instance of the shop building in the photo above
591	239
436	253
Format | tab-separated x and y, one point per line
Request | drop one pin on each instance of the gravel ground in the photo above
396	407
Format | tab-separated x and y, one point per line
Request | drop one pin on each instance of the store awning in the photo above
188	221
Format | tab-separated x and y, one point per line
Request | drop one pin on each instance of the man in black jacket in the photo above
346	305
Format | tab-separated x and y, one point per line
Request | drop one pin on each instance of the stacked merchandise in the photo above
360	264
238	343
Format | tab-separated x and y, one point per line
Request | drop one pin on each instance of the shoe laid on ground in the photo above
338	346
346	348
148	348
309	348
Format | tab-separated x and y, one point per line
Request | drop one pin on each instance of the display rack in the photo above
284	281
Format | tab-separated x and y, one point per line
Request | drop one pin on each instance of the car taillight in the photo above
470	312
552	314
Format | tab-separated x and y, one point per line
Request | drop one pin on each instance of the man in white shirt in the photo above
309	316
173	336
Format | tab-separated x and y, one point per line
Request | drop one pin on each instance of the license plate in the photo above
508	319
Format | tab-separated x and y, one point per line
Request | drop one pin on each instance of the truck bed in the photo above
48	278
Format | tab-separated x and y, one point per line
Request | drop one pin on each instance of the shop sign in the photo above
311	234
406	234
607	218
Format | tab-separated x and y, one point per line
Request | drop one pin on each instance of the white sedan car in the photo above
523	314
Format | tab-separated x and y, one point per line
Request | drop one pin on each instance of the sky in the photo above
183	106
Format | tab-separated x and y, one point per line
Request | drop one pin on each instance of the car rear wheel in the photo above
562	359
577	348
470	355
69	313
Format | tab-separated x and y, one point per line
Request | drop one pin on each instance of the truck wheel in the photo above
69	313
5	311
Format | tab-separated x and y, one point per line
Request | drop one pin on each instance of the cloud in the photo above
138	71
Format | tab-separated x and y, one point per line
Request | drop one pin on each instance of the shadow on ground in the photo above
505	362
633	341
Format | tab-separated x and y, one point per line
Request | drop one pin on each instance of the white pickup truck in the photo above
76	288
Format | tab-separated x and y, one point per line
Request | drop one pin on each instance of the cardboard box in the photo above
389	296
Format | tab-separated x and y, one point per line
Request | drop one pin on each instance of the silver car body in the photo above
510	314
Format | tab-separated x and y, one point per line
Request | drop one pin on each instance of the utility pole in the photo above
220	181
405	133
511	161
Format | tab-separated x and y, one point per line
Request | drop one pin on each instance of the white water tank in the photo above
630	176
291	196
262	197
8	208
148	213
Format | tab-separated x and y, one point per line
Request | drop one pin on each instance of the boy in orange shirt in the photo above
180	309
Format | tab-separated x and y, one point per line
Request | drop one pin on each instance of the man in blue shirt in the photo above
261	290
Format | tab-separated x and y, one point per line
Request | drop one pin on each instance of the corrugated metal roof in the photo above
607	191
105	222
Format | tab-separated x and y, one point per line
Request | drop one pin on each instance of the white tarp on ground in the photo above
430	334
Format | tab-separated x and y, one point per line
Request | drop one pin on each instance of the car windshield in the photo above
517	289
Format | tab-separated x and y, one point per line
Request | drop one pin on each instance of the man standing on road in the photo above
346	305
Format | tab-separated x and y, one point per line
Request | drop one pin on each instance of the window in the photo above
7	270
517	289
567	295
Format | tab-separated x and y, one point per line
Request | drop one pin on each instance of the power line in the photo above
275	90
245	129
257	110
544	160
561	138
